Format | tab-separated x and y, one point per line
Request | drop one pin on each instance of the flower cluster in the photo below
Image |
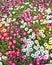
25	32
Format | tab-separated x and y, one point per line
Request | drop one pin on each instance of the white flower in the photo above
41	20
30	30
26	3
25	24
33	34
30	36
10	8
48	11
26	29
22	22
21	7
29	45
34	22
0	63
30	6
27	54
37	21
40	9
10	14
48	17
22	26
4	57
41	48
34	17
17	7
3	22
35	47
13	12
46	52
0	58
32	55
49	21
14	19
50	61
30	50
24	50
51	55
8	20
36	54
3	19
47	56
35	8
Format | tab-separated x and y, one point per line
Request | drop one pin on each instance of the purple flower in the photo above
32	0
2	7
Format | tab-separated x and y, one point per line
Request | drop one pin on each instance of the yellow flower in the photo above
45	44
6	24
0	24
41	31
43	35
36	41
50	29
48	47
38	37
50	40
34	46
44	22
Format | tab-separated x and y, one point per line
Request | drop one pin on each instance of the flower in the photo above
0	58
25	32
48	11
50	54
4	57
0	24
30	63
0	63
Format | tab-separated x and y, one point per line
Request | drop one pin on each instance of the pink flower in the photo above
13	46
0	54
44	57
48	25
10	37
16	23
21	39
22	58
31	63
13	64
39	16
10	3
14	41
37	59
18	53
10	43
24	33
7	38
